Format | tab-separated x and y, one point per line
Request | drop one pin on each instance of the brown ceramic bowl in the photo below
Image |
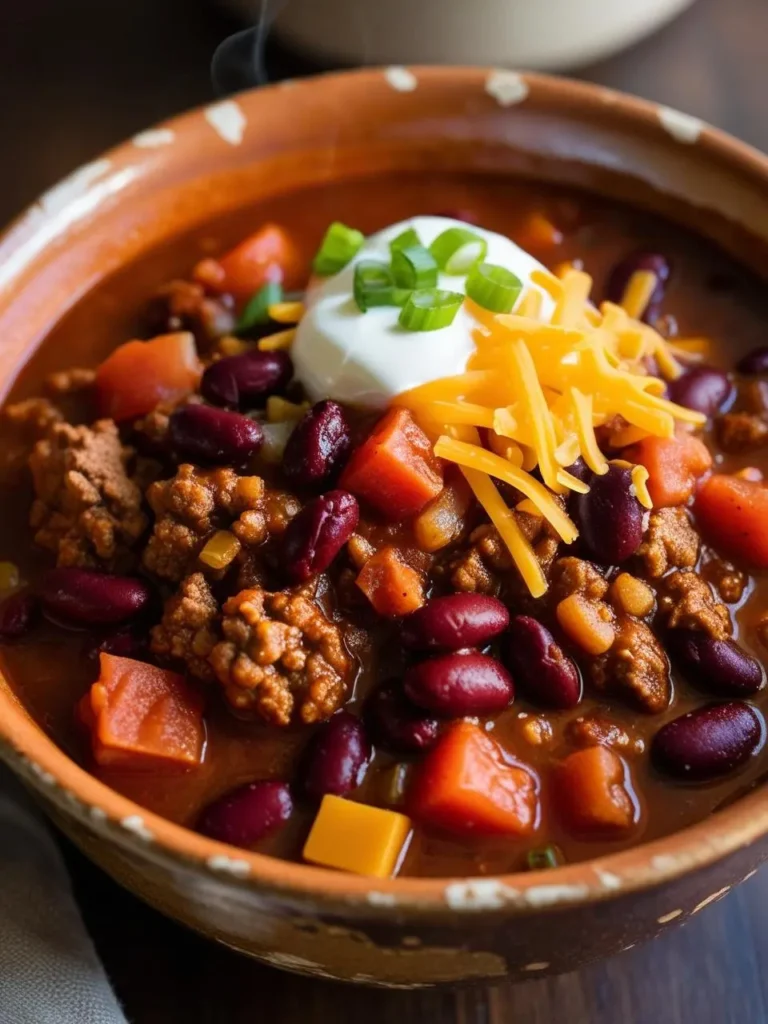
404	932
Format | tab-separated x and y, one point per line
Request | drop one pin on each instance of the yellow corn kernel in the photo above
358	838
280	410
220	550
277	342
286	312
587	623
632	595
232	346
9	576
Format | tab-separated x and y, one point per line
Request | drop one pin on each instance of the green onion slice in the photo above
430	309
545	857
456	250
374	285
338	247
414	267
493	287
255	311
405	240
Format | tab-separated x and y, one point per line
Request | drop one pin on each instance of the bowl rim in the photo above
49	770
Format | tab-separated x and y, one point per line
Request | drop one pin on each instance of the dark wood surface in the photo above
77	76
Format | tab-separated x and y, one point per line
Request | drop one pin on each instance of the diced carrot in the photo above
538	232
592	792
140	374
144	718
392	587
395	469
267	255
465	785
733	515
443	519
674	466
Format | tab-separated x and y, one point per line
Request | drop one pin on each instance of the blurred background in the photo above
76	77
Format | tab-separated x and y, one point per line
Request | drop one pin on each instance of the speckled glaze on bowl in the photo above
404	932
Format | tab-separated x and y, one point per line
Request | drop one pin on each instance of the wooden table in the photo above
77	77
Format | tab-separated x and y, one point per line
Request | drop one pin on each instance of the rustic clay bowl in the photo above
405	932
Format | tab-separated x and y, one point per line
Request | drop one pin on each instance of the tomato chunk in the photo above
140	374
466	786
392	587
592	792
733	514
267	255
395	469
143	717
674	466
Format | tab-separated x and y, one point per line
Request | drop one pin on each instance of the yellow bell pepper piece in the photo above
280	410
286	312
277	342
220	550
356	837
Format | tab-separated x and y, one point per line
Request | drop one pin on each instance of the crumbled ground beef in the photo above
686	601
479	567
742	431
188	630
184	306
670	542
34	416
87	509
596	730
728	581
635	667
576	576
281	657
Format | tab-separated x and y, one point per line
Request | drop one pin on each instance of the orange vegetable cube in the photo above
268	255
356	837
733	514
674	466
443	519
392	587
140	374
593	792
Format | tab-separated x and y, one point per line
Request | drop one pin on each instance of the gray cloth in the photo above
49	971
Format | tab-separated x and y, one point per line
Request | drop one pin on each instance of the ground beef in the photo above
686	601
87	509
576	576
728	581
281	657
188	630
184	306
670	542
33	416
479	567
597	730
742	431
635	667
64	382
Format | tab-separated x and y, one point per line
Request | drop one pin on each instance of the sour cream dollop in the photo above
367	358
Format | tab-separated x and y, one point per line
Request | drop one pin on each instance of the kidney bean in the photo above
720	666
396	724
702	388
318	446
540	667
92	598
454	621
246	380
459	684
580	470
316	535
211	436
17	614
337	757
619	278
247	814
123	644
709	741
610	517
755	362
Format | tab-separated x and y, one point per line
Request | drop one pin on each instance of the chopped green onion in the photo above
405	240
255	311
456	250
338	247
493	287
374	285
414	267
430	309
545	857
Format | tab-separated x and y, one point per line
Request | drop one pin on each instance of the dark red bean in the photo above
396	724
337	757
247	814
86	598
540	667
211	436
719	666
459	684
316	535
454	621
123	644
623	271
610	517
702	388
318	447
247	380
709	741
580	470
755	362
17	614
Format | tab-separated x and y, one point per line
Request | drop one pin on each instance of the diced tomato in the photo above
267	255
392	587
538	232
592	792
143	718
733	515
140	374
395	469
465	785
674	466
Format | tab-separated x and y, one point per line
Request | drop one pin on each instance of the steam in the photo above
238	62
